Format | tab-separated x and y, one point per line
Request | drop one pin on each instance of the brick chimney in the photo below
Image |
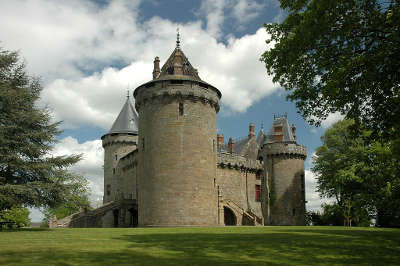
251	131
294	132
231	145
278	132
156	70
220	140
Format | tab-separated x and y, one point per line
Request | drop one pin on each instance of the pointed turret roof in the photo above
127	120
178	64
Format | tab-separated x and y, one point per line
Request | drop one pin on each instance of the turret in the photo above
284	191
119	141
177	146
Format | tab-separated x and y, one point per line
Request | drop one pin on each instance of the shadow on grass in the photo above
285	246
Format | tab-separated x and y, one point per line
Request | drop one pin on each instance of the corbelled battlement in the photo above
232	160
284	148
178	90
110	139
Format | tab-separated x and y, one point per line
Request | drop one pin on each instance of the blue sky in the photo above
88	53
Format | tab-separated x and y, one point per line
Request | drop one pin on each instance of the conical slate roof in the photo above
127	120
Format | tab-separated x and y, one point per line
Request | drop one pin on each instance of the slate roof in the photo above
179	58
286	130
127	120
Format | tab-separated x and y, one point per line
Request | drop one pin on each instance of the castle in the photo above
168	166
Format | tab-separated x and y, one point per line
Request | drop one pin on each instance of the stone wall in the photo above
236	180
115	147
177	155
284	171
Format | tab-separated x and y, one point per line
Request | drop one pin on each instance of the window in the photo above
258	175
108	190
294	212
180	109
143	144
258	193
113	171
116	157
213	145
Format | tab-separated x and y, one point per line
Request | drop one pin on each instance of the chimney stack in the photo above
156	70
251	131
294	132
231	145
220	140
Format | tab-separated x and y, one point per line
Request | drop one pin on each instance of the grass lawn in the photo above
201	246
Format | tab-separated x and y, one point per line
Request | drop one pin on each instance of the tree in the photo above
19	216
340	56
360	175
29	174
74	204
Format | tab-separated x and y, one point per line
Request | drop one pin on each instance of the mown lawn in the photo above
201	246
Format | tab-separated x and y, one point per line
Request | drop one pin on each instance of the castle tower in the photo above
283	192
177	146
119	141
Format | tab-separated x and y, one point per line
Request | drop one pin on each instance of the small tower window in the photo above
258	193
113	171
180	109
116	157
143	144
294	212
108	190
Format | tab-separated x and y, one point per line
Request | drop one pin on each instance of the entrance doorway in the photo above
229	217
116	217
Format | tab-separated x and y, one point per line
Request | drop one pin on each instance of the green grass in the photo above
201	246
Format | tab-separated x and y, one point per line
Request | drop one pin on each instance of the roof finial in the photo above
127	92
262	125
177	38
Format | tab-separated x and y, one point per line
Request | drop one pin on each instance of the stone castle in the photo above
168	166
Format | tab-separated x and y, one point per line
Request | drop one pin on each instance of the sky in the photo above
89	53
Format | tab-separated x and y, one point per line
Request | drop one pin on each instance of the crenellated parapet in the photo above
172	88
238	162
284	149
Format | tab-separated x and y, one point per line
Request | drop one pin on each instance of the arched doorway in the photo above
229	217
116	217
134	217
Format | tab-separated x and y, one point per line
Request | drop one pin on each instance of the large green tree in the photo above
360	175
29	174
340	56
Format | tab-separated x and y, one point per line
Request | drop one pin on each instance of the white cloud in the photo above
91	165
73	50
312	197
246	10
331	119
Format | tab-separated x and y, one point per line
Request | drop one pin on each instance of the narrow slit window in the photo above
108	190
180	109
113	171
258	193
116	157
294	212
143	144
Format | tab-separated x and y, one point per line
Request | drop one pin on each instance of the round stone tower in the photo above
284	190
177	146
119	141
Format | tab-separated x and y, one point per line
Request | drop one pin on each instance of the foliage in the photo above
272	245
19	216
73	205
29	174
340	56
360	175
